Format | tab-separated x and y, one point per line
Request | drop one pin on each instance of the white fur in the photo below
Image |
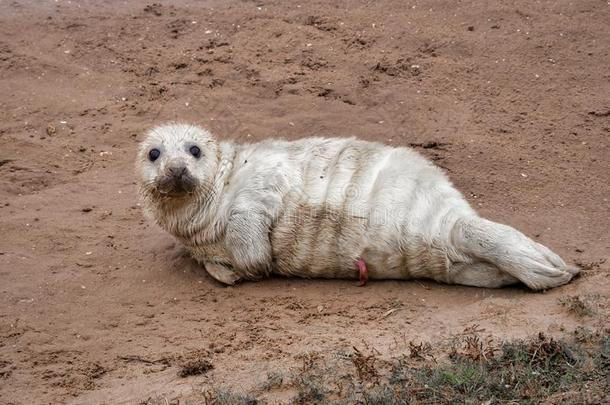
311	207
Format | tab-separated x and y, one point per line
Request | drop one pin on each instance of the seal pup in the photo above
330	208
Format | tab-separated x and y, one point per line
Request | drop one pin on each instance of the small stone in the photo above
51	129
415	69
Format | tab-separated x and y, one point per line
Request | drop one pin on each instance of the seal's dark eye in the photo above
195	151
154	154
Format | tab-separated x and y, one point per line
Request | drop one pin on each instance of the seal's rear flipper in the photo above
222	273
511	252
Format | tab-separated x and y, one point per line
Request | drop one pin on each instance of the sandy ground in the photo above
98	305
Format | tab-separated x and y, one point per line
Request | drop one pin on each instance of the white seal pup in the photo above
332	208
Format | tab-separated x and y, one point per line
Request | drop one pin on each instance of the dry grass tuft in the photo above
580	305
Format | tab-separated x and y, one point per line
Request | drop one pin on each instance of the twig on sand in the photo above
135	358
389	312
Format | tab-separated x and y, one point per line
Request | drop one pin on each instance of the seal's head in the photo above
176	162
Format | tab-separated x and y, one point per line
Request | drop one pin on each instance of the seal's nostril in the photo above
177	171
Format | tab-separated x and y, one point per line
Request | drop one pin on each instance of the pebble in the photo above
51	129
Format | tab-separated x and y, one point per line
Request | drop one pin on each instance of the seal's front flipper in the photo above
221	273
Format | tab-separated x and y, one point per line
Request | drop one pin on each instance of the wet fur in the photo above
312	207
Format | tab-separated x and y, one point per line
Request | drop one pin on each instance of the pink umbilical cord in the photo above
363	272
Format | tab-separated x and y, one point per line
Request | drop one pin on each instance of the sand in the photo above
99	305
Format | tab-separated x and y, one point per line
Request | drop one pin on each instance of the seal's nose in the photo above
177	171
176	179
